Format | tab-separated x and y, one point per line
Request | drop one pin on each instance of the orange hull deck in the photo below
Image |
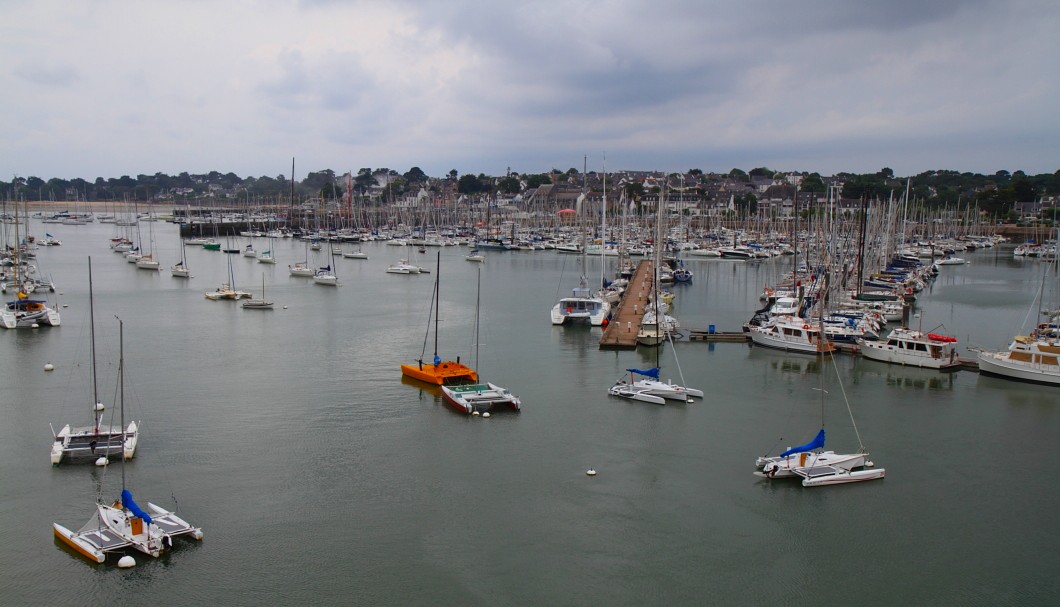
446	372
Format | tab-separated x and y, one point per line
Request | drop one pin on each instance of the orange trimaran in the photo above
438	372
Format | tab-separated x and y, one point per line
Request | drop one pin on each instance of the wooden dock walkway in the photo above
621	332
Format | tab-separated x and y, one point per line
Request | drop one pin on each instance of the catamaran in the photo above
438	372
123	524
479	397
91	443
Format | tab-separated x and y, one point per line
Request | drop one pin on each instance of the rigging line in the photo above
861	446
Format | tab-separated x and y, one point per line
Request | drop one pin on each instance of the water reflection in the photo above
785	363
903	377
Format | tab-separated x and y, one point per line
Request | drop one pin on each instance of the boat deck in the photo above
621	331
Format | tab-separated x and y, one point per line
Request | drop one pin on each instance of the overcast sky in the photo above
104	88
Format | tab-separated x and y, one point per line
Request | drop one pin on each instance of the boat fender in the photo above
805	326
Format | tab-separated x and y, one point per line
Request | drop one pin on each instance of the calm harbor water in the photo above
318	475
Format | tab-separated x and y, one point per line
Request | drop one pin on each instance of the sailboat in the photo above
479	397
90	443
326	275
227	290
267	256
24	312
302	268
123	524
259	304
180	269
438	372
813	464
147	261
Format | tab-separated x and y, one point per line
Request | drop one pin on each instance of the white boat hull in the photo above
999	364
830	475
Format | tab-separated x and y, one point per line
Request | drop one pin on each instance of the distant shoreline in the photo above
1007	230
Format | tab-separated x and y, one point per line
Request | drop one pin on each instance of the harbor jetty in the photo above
621	331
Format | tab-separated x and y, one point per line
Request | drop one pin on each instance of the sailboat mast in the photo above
478	303
98	414
437	297
121	392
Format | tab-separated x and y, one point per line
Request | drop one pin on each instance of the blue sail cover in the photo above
653	372
816	443
127	501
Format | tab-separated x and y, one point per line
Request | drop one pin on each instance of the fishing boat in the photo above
123	524
913	348
437	371
90	443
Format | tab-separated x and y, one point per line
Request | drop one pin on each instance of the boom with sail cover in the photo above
127	501
653	372
816	443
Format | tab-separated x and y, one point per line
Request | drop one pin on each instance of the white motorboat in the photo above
912	348
791	333
1033	358
475	255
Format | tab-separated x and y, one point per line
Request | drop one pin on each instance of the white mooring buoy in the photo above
486	414
99	406
474	413
126	561
102	461
590	472
49	367
285	307
34	326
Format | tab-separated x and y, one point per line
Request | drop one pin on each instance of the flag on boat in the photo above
816	443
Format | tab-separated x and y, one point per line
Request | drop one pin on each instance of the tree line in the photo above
995	193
